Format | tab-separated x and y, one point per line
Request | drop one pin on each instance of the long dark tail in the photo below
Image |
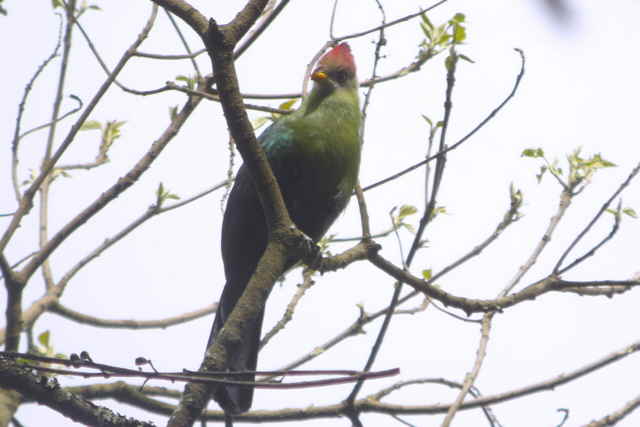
235	398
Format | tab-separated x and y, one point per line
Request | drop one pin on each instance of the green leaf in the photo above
259	122
598	162
459	33
459	17
443	39
466	58
163	195
111	132
438	210
406	210
90	125
426	21
427	274
56	4
428	120
409	227
287	104
191	83
43	338
532	152
630	212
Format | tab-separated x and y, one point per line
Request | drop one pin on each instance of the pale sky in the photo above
580	89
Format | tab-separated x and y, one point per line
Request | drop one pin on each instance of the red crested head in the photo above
338	57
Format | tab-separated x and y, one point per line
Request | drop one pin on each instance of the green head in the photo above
336	72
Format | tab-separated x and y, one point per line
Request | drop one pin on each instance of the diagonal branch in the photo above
26	202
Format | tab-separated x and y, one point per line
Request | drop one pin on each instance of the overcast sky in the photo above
580	89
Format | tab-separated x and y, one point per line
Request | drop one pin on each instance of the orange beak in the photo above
318	75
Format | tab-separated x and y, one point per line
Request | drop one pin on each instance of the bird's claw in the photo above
312	252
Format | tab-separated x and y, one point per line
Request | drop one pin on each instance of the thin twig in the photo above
389	24
557	269
366	232
378	396
170	57
471	377
26	201
563	205
59	119
291	307
464	138
131	323
615	417
183	40
98	370
151	212
269	15
332	21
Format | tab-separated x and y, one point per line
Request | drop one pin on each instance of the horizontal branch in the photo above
370	403
131	323
469	305
102	370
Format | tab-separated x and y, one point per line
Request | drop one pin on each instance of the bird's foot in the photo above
311	252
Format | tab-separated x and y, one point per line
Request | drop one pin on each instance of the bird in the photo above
314	153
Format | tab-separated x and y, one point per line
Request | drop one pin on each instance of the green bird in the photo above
315	156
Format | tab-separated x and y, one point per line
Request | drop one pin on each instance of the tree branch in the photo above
131	324
46	391
481	305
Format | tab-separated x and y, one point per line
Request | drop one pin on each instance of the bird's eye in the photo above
340	76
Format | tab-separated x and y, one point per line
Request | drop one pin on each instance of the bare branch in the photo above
614	417
184	43
464	138
59	119
268	16
26	202
471	377
27	90
389	24
47	391
402	384
479	305
557	269
170	57
291	307
187	13
563	205
131	324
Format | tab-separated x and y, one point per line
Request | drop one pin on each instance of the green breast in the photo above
315	156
